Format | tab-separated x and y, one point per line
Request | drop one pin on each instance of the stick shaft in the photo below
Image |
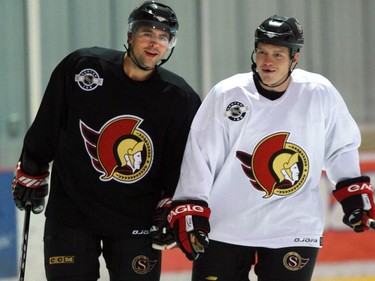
25	236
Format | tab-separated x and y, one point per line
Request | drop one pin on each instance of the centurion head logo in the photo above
276	166
120	150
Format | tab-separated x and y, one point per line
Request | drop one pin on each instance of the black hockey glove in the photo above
29	189
357	201
189	220
162	236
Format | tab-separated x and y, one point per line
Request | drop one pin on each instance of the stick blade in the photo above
371	223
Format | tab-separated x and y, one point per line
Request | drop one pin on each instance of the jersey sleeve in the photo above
175	143
205	151
41	139
343	139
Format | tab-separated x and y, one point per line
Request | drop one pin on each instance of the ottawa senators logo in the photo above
120	150
293	261
276	166
143	265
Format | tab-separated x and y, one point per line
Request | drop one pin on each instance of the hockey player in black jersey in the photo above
112	126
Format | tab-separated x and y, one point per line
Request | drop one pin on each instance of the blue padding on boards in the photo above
8	231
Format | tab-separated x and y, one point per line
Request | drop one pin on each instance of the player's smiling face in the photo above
149	45
273	63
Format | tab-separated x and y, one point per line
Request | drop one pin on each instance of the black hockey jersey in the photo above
116	144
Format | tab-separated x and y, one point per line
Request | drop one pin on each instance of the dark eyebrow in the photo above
275	50
150	29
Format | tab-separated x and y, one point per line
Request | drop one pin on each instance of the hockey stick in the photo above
25	235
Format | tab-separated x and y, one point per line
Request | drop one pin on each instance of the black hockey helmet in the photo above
278	30
156	15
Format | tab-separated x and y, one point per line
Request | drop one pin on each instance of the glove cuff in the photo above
355	193
189	207
353	181
351	187
164	203
30	181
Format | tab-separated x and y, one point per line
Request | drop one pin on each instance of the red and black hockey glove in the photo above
29	189
162	236
189	220
357	201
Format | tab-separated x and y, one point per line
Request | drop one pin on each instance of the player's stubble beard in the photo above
130	54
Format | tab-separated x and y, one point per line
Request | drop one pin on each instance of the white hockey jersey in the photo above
258	162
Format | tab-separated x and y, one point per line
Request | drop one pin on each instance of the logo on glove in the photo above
358	187
183	209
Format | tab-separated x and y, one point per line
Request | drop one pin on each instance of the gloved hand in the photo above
162	236
357	201
29	189
189	220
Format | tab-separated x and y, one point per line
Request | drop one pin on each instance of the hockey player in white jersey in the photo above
248	193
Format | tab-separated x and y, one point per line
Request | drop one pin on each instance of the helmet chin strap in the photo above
135	61
257	76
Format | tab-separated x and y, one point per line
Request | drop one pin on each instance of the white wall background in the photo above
215	41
